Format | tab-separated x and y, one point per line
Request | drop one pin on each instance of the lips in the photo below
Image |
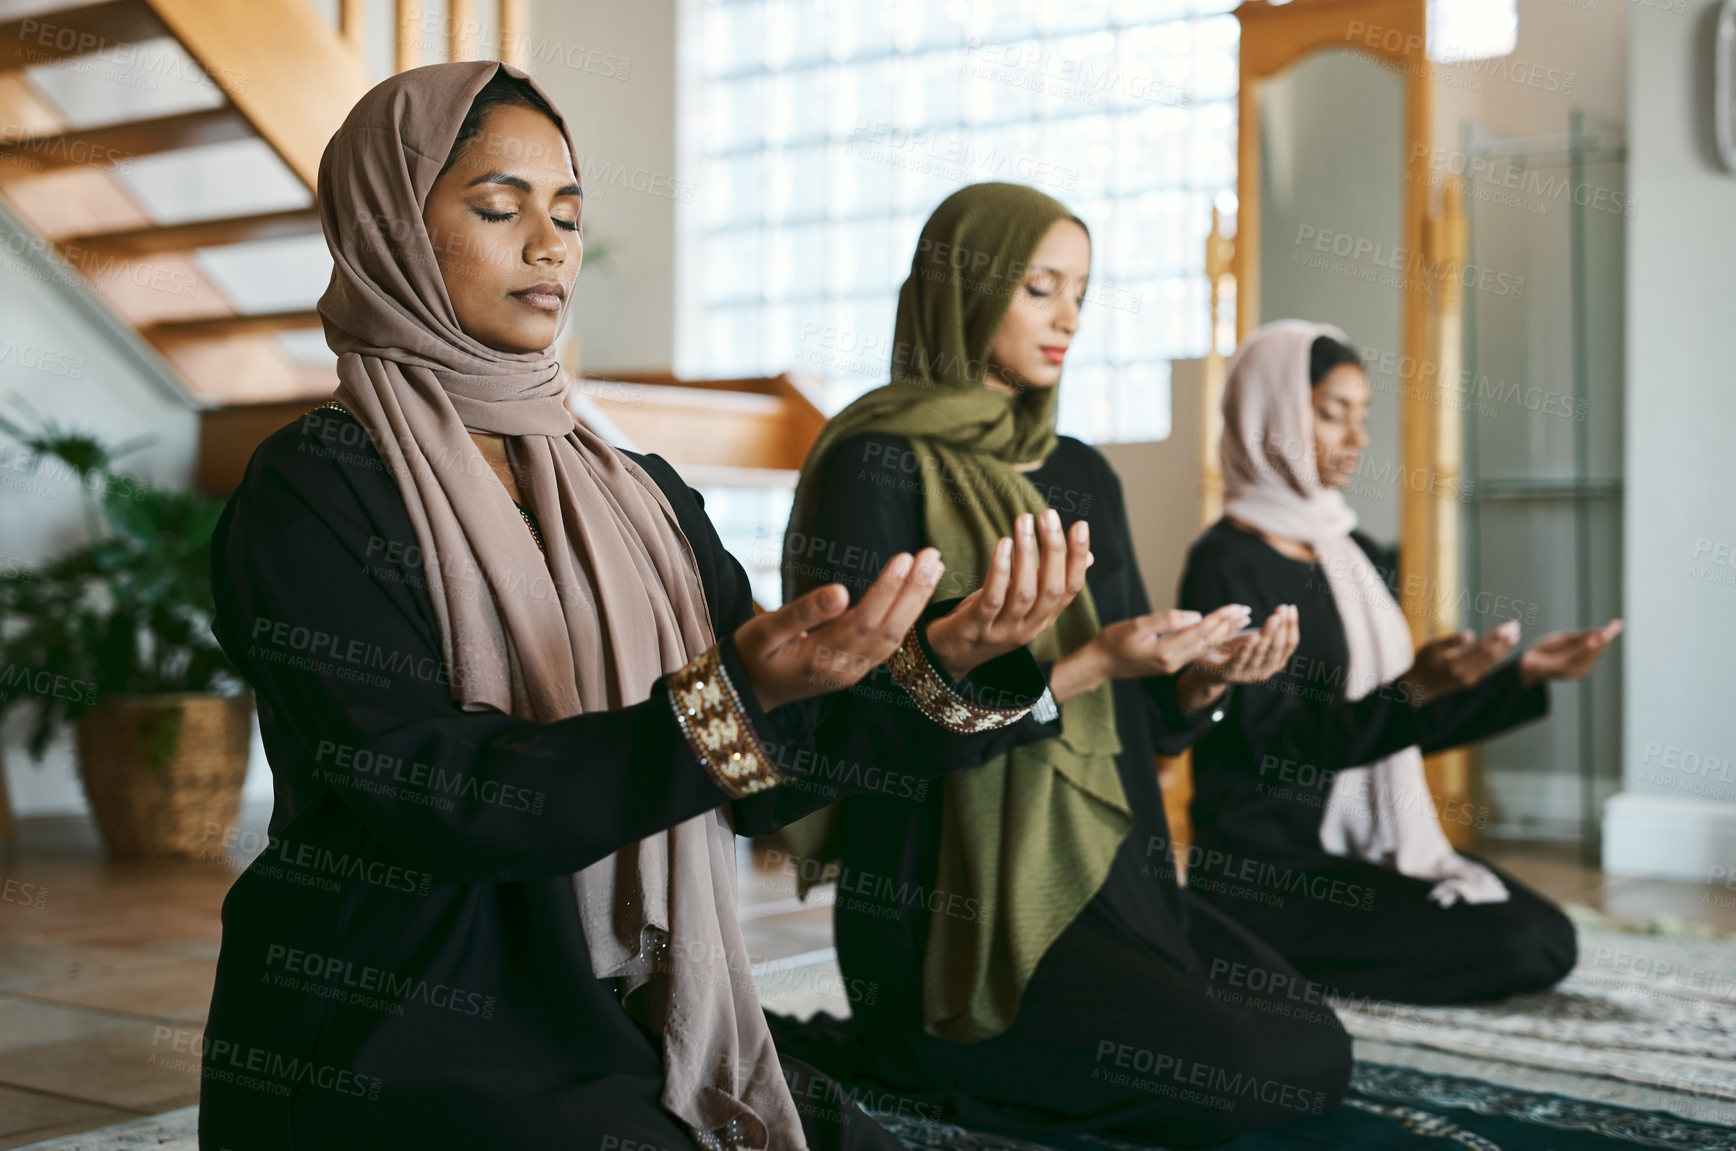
545	297
1054	353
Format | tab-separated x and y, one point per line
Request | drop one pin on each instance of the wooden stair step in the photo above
63	34
112	145
627	393
236	325
202	233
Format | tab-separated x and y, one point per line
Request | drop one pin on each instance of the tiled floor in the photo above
104	968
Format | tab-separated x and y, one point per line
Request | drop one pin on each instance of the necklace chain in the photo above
530	523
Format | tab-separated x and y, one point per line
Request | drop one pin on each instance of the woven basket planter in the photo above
159	769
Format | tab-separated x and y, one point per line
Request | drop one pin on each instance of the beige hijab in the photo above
616	603
1379	812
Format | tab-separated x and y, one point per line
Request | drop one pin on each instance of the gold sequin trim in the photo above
913	672
717	728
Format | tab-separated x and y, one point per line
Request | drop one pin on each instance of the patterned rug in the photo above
1645	1020
1637	1048
1389	1109
1400	1109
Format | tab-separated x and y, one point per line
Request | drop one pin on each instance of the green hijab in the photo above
1030	835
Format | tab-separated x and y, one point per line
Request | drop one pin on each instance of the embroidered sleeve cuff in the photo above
716	723
936	698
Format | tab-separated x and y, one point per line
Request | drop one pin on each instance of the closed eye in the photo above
501	217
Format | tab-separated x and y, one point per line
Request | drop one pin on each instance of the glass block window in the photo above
827	130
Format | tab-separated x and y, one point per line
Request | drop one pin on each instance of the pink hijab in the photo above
614	603
1380	812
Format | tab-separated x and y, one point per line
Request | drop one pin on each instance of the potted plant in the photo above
114	640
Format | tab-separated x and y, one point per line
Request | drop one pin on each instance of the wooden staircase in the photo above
276	76
270	71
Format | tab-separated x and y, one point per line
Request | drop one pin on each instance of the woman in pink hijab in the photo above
1355	883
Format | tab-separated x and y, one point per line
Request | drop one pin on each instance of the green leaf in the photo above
128	612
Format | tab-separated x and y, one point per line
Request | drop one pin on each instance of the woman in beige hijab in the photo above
515	699
1384	906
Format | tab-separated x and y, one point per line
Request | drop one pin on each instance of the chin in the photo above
517	341
1043	375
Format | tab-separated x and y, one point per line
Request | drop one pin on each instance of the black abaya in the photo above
1140	1019
1256	805
403	965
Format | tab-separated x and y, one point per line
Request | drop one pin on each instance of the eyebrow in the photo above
523	185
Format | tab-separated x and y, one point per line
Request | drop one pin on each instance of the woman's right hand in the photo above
1455	662
1161	643
817	643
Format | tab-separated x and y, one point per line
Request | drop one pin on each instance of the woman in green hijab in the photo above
1029	961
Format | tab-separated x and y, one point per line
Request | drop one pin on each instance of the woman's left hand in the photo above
1021	597
1258	657
1566	654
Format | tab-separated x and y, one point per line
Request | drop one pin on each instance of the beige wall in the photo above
1677	814
610	67
1161	484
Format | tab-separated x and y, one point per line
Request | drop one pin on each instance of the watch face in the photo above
1724	85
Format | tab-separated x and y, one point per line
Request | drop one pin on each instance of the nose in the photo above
547	244
1067	314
